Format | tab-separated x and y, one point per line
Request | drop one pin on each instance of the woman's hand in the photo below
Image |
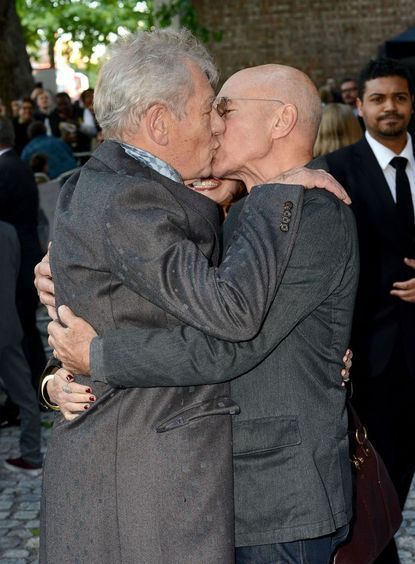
72	398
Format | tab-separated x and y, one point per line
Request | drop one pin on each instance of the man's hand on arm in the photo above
312	179
405	290
72	398
45	287
71	343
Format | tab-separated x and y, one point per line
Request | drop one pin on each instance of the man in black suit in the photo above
19	204
379	174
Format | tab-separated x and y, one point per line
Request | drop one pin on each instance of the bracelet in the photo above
43	393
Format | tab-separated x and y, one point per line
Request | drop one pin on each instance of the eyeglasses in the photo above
222	103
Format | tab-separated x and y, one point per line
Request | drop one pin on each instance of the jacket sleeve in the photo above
325	249
158	261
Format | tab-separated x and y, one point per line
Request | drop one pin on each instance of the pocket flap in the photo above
268	433
217	406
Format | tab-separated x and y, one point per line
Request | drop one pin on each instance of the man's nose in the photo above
217	123
390	103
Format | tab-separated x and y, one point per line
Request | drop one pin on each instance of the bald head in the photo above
284	83
272	115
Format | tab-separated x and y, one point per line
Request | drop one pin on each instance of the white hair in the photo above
148	68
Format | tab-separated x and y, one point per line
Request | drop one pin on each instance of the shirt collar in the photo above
152	161
384	155
2	151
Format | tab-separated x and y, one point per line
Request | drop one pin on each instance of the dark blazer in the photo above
152	468
10	329
379	317
291	461
19	205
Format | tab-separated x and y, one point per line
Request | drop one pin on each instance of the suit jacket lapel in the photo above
372	180
375	179
113	155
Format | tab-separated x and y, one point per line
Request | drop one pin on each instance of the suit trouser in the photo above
27	302
386	405
309	551
17	379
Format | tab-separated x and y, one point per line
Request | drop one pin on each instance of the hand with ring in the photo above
71	397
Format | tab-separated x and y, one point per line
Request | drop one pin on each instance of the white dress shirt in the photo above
384	155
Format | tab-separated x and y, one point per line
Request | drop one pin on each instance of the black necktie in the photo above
404	205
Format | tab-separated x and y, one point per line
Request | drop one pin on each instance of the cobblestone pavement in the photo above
19	507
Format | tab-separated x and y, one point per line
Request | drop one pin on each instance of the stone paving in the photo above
19	507
19	502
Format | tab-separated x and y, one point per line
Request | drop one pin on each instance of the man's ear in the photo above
285	120
359	105
157	120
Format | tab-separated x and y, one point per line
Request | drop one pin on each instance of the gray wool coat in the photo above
292	471
145	476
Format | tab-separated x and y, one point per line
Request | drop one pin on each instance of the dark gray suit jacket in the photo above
149	472
292	470
11	332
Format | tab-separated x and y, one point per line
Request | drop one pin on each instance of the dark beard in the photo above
396	131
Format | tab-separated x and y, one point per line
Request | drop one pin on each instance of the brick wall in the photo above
323	38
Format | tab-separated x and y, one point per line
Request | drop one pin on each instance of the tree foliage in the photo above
89	22
15	70
93	22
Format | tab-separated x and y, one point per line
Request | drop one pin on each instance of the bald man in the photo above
291	463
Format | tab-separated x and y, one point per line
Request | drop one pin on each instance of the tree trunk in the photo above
15	71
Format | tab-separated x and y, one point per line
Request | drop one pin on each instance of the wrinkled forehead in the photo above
251	83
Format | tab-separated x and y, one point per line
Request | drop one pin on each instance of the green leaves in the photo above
95	22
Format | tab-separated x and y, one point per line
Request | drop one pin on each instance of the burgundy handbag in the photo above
376	512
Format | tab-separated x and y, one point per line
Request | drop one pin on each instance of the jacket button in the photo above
288	205
283	227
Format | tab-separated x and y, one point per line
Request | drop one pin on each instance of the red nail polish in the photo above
69	378
88	391
91	398
86	406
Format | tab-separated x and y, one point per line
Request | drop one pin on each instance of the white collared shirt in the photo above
384	155
2	151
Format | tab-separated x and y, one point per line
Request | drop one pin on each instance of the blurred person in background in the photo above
15	107
348	91
84	110
19	206
45	105
21	124
338	128
15	376
60	156
64	124
326	95
40	167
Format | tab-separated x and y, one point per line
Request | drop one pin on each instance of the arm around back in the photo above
324	256
159	262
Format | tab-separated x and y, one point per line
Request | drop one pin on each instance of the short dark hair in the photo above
27	100
347	80
35	129
379	68
38	162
